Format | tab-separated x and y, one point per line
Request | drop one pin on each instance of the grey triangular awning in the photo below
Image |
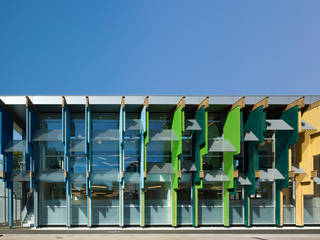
188	166
158	177
52	176
48	135
78	177
316	180
77	145
277	124
221	145
186	178
132	177
105	176
106	135
306	126
21	176
270	174
165	135
16	146
243	180
297	170
159	168
192	124
249	136
215	176
133	124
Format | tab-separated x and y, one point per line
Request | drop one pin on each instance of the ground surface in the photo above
160	236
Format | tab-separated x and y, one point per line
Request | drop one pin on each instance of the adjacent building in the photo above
159	160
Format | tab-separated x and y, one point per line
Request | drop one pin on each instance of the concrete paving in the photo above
142	236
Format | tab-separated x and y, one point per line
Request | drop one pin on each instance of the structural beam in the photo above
66	125
121	161
240	103
205	103
264	103
32	154
299	102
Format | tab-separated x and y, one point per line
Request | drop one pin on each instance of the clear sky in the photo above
159	47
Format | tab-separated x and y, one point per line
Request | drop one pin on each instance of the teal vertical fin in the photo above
256	123
283	140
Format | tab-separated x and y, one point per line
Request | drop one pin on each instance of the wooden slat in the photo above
146	101
123	101
182	102
205	103
264	102
299	102
313	105
87	101
29	103
241	102
64	102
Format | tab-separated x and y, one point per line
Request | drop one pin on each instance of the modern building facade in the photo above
160	160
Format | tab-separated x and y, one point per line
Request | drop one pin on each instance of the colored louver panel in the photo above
176	151
200	148
283	140
256	123
231	132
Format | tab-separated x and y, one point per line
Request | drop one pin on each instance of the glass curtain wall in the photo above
158	192
105	169
132	169
312	203
289	203
52	185
210	197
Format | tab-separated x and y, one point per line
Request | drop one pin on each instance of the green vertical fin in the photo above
231	132
176	151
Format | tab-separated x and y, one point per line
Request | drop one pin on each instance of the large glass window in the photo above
159	147
131	204
105	168
312	202
53	203
105	207
263	205
158	204
211	203
50	138
132	142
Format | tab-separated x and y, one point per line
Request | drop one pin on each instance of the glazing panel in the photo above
53	203
131	204
263	206
184	208
236	205
312	207
158	204
159	150
210	204
289	205
105	203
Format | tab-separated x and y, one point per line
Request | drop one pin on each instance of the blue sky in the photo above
159	47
